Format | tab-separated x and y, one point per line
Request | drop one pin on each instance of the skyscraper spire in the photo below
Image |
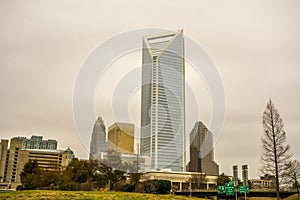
98	141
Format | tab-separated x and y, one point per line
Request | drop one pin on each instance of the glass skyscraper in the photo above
202	151
98	141
163	101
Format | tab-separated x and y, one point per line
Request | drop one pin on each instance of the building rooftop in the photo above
68	150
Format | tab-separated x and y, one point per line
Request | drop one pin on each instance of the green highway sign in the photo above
221	190
230	184
242	189
229	190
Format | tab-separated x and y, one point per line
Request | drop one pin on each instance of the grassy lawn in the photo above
52	194
294	197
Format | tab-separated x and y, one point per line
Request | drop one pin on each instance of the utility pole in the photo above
137	157
190	187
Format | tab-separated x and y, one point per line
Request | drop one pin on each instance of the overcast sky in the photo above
255	46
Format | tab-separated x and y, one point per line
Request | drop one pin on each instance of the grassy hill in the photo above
53	194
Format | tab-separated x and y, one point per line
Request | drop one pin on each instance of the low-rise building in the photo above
14	157
181	181
141	161
265	182
51	160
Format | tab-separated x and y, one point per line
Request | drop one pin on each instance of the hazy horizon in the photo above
254	46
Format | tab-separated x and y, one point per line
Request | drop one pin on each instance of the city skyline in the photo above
255	47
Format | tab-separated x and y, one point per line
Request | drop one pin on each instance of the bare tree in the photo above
293	174
197	180
275	153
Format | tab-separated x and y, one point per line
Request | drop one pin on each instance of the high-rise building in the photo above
121	137
98	141
13	159
163	101
37	142
202	151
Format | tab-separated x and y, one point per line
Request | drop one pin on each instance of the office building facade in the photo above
12	161
163	101
202	151
14	158
98	141
121	138
37	142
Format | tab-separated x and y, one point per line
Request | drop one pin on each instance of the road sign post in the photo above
235	179
245	179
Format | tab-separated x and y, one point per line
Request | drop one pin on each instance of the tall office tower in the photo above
202	151
121	137
163	101
37	142
98	141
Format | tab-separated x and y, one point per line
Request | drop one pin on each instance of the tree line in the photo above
107	174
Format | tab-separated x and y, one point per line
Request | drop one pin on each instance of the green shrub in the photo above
163	187
128	188
69	186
